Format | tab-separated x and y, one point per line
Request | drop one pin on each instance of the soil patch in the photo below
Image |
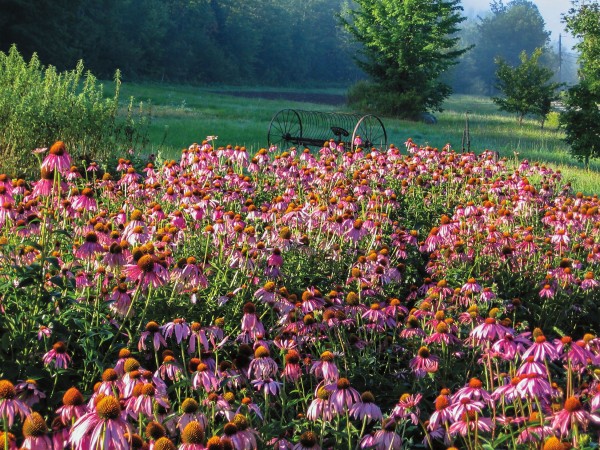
326	99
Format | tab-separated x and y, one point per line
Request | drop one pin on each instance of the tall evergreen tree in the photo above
407	45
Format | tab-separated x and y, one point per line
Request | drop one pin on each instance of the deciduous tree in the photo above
407	45
526	88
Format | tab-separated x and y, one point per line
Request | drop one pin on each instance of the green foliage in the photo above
581	122
504	33
225	41
39	105
526	88
406	46
583	21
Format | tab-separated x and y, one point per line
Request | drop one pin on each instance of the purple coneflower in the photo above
73	407
57	158
424	363
10	405
28	392
103	428
573	415
147	272
35	432
366	409
192	437
58	355
308	441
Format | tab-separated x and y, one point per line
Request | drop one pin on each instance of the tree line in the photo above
195	41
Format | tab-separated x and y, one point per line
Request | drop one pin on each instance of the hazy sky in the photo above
551	11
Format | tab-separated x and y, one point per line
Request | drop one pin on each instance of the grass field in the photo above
182	115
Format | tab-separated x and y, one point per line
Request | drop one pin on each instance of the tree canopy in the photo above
581	120
504	33
227	41
406	46
526	88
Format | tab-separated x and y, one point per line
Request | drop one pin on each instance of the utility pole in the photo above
560	58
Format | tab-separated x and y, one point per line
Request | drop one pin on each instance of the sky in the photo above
551	11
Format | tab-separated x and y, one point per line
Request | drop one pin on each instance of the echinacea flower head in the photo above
35	432
103	428
554	443
164	443
192	437
73	406
214	443
572	415
308	441
366	408
58	355
10	405
57	158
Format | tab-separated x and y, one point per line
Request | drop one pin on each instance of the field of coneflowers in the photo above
407	297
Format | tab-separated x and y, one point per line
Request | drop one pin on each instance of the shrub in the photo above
39	105
371	97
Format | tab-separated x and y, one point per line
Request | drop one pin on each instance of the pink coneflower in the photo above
268	385
169	369
320	407
57	158
442	414
509	346
58	356
28	392
103	428
366	409
470	421
308	441
191	413
589	282
424	363
573	414
474	391
343	396
152	331
85	200
534	385
488	332
325	368
442	335
262	366
292	371
238	440
507	392
73	407
205	378
198	338
387	438
407	408
192	437
35	432
145	402
251	324
536	430
178	327
147	272
540	349
9	404
90	247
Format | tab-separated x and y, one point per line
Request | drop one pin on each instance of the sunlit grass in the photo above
184	114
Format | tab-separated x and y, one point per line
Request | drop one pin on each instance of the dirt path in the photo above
326	99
